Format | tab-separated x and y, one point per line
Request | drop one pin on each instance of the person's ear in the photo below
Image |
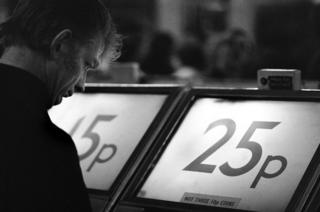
60	43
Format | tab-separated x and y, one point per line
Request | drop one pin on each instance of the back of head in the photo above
192	54
34	23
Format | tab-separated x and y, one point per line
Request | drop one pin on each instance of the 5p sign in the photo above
106	129
94	139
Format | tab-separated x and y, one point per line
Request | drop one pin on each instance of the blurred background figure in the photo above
190	62
134	31
6	9
313	47
285	35
158	58
233	57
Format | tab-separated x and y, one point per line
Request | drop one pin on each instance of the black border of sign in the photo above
173	92
301	195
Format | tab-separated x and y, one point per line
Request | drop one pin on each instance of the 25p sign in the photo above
198	165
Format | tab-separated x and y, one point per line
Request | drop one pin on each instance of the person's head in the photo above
70	36
159	54
192	54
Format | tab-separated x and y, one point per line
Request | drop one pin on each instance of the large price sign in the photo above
106	129
237	154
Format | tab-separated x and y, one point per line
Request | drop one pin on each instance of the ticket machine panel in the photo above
234	150
112	128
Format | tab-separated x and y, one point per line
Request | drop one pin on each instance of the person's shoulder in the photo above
58	135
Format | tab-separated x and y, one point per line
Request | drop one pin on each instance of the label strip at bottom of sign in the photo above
210	200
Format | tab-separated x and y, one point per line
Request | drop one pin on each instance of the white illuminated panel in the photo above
248	155
106	129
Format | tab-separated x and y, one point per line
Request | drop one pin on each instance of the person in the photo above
158	57
191	62
233	57
49	45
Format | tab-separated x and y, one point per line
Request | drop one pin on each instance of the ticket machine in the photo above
113	127
232	150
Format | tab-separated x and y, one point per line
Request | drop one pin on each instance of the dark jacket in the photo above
39	165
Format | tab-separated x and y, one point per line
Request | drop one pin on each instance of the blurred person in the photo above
311	47
159	55
5	12
49	45
134	31
232	56
191	62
